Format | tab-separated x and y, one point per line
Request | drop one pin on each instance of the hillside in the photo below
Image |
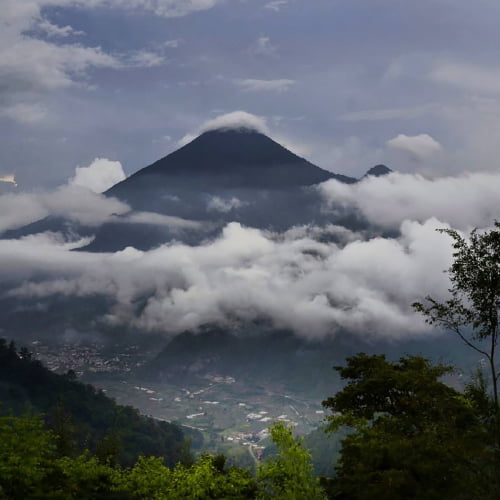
82	413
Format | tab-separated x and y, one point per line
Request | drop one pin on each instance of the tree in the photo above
472	312
412	436
149	479
290	475
25	450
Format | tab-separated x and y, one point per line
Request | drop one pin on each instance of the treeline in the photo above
411	436
406	435
32	468
82	417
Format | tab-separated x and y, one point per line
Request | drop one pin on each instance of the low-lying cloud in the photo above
73	202
292	280
314	280
465	201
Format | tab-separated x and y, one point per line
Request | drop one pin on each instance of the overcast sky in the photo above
346	83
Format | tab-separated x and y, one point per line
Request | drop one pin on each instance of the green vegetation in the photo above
289	476
412	435
31	467
81	416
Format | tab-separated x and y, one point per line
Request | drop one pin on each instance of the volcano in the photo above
224	175
224	159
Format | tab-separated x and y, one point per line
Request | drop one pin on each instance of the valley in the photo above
233	414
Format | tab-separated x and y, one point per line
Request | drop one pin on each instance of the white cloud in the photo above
165	8
420	147
255	85
276	5
263	47
218	204
35	64
241	120
30	67
292	280
53	30
172	44
9	179
465	201
73	202
146	59
236	120
99	176
159	220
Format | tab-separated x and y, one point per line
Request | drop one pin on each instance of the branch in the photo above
455	329
470	344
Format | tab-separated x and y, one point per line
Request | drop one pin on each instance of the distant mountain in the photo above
223	159
223	176
378	171
261	356
257	358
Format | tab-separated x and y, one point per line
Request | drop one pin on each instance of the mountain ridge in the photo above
233	158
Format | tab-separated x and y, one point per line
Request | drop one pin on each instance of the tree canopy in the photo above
412	436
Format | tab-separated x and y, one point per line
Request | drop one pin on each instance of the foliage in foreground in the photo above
412	436
30	467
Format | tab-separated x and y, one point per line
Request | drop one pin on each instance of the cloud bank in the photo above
313	280
291	280
73	202
465	201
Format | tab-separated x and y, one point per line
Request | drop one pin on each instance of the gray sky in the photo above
346	83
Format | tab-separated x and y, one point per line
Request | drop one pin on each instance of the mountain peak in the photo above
378	171
236	156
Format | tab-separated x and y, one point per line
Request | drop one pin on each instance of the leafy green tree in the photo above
472	311
86	478
412	436
289	476
58	420
149	479
25	450
31	466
